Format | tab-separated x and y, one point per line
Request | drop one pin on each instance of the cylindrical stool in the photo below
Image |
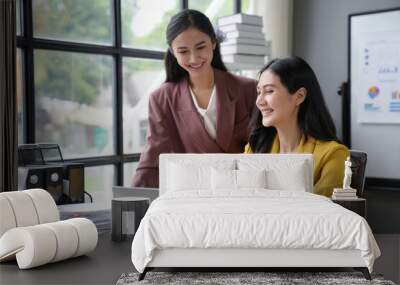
127	212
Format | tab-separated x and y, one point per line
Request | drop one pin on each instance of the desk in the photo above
98	213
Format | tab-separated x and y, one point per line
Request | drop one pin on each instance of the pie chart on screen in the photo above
373	91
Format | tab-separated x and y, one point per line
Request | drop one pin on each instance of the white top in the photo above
210	114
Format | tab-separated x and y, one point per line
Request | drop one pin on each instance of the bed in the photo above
242	211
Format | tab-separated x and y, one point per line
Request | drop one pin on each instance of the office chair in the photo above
359	163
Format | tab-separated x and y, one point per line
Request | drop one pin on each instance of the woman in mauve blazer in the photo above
195	71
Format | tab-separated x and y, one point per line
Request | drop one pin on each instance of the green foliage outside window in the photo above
213	9
149	34
88	21
71	76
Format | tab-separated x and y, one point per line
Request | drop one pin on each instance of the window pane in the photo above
144	22
213	9
248	6
19	93
140	78
74	99
98	183
129	172
18	12
87	21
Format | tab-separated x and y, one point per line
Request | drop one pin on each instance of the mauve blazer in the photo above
175	126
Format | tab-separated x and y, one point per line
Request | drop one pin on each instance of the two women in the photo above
202	108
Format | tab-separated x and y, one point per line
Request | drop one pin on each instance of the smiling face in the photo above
277	106
193	51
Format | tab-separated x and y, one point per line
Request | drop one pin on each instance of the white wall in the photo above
320	37
278	24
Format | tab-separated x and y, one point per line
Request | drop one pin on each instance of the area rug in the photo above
244	278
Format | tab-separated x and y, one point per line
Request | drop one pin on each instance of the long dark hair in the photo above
313	117
179	23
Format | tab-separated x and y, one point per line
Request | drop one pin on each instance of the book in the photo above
243	66
341	190
249	41
245	59
240	27
345	194
344	198
244	34
240	18
243	49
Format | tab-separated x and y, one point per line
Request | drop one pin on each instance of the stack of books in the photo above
344	194
244	44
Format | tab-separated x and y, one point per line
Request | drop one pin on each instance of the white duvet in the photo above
253	218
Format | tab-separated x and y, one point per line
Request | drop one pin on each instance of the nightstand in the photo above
357	205
127	212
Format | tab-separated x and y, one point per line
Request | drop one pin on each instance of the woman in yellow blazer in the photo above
291	117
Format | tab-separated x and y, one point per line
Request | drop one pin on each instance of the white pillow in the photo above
227	179
282	174
251	178
223	179
186	175
293	179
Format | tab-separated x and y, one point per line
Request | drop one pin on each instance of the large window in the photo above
87	21
74	102
247	6
85	70
140	77
144	22
129	169
98	182
213	9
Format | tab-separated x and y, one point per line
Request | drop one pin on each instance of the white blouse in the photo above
210	114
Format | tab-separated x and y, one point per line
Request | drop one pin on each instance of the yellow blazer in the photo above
329	157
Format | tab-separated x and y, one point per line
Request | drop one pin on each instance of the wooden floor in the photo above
102	266
110	259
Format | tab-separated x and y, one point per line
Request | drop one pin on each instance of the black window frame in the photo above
28	43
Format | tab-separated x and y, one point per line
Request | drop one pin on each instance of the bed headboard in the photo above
271	161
